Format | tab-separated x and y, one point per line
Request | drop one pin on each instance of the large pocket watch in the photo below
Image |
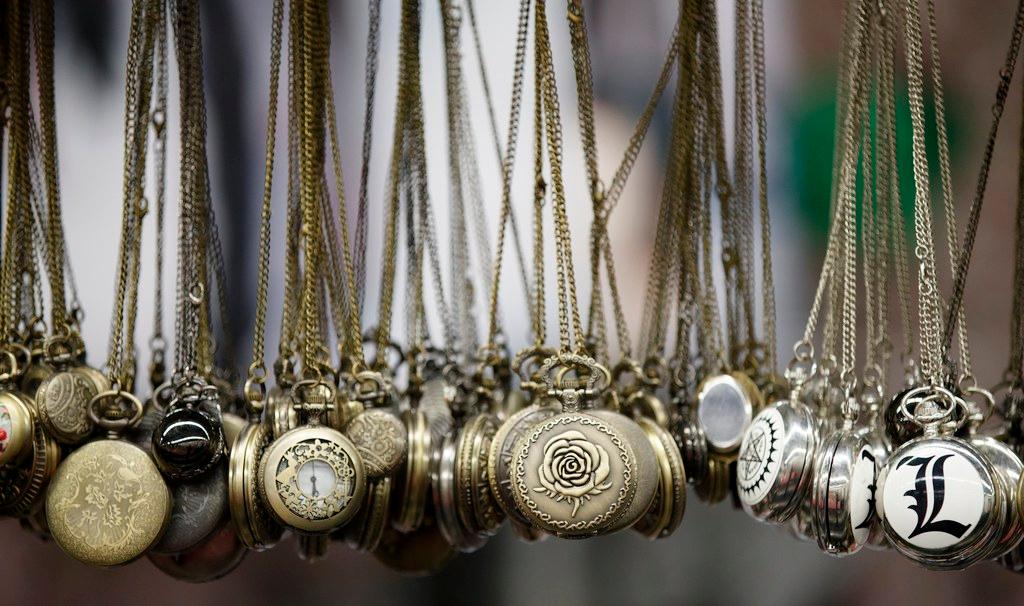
582	473
312	477
940	500
107	503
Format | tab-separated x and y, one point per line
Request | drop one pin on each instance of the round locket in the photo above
726	403
775	461
941	502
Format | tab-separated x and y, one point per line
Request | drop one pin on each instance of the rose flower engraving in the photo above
574	469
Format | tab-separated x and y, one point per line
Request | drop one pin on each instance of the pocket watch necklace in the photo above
312	477
637	392
188	441
579	473
108	503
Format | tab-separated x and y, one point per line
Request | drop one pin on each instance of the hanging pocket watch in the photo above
108	503
22	484
499	461
425	423
378	434
252	521
365	531
666	511
16	427
445	491
1008	468
726	403
420	552
312	477
777	453
582	473
63	397
843	493
218	555
940	501
199	509
189	441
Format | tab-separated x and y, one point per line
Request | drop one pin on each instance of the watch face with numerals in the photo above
313	479
940	502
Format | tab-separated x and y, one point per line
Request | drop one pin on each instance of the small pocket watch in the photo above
499	458
843	492
444	488
776	456
726	403
16	427
107	503
378	434
63	397
189	440
365	531
940	500
1008	467
199	509
212	559
312	477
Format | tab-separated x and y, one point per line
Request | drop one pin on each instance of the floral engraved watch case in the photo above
578	473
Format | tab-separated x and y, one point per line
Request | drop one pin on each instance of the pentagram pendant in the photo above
843	493
775	461
107	503
312	479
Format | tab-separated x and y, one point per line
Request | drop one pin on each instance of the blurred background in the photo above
719	555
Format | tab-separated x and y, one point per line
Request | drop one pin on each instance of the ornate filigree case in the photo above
941	502
312	477
63	395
